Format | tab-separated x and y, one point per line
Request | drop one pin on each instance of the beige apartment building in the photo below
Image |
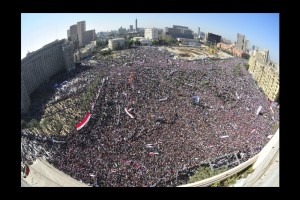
265	72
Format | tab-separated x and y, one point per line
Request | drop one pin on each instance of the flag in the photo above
84	121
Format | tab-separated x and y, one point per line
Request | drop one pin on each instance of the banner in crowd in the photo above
258	110
130	115
84	121
224	136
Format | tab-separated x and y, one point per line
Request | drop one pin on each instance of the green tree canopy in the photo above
137	42
154	42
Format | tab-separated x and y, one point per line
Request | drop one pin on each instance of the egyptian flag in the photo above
84	121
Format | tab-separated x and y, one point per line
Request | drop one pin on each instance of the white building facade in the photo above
151	33
113	44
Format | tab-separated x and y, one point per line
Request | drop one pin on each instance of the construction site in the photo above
195	53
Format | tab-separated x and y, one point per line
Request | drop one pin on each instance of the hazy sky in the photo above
38	29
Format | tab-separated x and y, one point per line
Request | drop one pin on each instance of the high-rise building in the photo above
160	30
131	28
151	33
240	41
245	46
136	25
213	38
122	31
73	32
253	47
199	31
116	43
179	32
80	36
88	36
202	35
226	41
80	30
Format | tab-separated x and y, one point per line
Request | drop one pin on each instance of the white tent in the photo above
42	174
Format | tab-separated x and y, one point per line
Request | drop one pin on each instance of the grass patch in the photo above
232	180
204	82
237	70
204	173
275	127
246	66
60	121
89	95
33	124
184	55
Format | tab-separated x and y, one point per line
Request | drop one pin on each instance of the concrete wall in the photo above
266	167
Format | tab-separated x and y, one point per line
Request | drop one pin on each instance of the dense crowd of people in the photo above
145	130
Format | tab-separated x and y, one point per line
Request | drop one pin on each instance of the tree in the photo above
246	66
33	123
246	56
237	70
168	40
128	43
137	42
105	52
154	42
98	42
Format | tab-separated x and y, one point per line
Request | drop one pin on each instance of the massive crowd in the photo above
146	131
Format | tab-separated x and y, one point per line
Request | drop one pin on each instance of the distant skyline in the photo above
261	29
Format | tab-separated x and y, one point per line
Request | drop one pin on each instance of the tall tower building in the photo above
199	31
240	41
245	46
135	24
73	32
80	30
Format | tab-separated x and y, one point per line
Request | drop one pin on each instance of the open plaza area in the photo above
145	118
